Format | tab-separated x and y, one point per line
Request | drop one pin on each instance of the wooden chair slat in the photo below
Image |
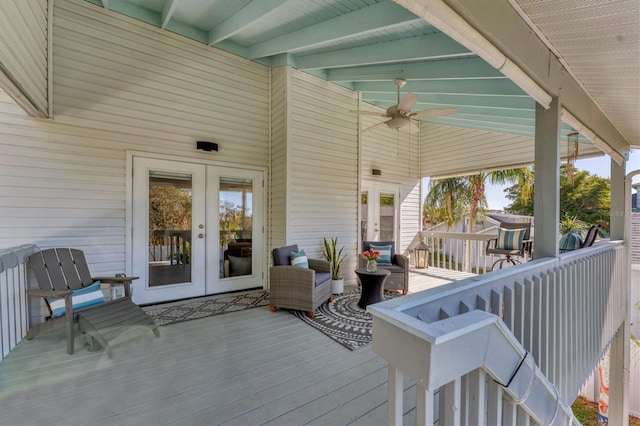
68	267
37	263
81	267
54	270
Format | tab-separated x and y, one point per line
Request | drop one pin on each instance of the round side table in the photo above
372	284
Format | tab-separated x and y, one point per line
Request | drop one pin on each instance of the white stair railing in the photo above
464	344
13	297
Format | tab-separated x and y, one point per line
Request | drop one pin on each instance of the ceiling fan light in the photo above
398	122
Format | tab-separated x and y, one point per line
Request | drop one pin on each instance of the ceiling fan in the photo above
400	115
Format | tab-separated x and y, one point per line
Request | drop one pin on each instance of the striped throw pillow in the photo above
385	254
510	239
81	298
299	259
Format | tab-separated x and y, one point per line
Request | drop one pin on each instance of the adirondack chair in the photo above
67	286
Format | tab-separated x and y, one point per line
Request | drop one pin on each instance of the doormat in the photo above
343	320
202	307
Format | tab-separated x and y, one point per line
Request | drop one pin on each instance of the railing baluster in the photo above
13	299
449	403
564	311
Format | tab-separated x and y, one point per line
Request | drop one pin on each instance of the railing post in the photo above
619	366
394	404
424	406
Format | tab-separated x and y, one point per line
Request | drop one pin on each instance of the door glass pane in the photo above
364	212
170	200
236	226
387	217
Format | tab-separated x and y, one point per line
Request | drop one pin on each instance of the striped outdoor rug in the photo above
185	310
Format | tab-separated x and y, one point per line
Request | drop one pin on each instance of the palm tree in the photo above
449	198
446	201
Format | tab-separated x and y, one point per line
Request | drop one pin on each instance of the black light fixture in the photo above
207	146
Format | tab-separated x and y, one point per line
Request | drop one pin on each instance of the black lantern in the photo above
422	255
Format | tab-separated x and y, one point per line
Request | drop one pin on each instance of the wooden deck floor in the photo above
244	368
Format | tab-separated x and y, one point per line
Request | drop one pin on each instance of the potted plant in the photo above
336	258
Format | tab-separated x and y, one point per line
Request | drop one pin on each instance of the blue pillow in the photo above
510	239
570	241
299	259
385	254
81	298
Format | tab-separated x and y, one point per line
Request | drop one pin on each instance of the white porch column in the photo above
619	355
546	199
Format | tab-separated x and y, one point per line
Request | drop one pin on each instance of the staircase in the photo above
509	347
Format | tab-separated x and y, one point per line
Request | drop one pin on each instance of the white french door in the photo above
379	212
197	229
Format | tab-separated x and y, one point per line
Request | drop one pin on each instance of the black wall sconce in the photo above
207	146
376	172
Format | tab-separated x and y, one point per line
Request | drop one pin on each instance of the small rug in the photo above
343	320
202	307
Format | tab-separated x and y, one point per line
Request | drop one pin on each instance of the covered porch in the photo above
92	93
248	367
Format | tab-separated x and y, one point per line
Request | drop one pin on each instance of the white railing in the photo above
13	298
537	330
461	251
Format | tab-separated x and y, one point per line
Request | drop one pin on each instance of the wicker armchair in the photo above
399	268
292	287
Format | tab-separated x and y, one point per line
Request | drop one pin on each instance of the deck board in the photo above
240	368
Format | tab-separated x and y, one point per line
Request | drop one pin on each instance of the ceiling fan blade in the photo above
413	128
377	114
374	126
407	102
433	113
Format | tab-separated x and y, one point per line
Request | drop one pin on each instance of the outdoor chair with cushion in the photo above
397	264
513	240
73	296
573	240
297	282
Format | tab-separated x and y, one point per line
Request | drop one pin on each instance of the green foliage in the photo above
169	208
450	199
234	222
334	255
587	199
572	224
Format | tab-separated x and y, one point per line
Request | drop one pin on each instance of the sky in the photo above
600	166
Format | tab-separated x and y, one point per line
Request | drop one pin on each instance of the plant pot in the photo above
337	286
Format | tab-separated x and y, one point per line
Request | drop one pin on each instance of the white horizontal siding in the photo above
119	85
23	47
323	167
410	215
279	162
453	151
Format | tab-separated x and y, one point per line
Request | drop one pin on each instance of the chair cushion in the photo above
385	253
239	266
570	241
366	245
282	255
322	277
510	239
299	259
81	298
394	269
